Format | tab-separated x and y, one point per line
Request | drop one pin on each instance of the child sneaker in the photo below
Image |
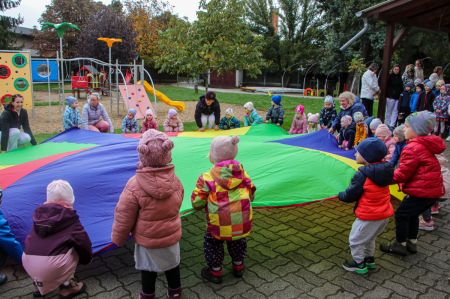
238	270
426	225
370	262
352	266
212	276
435	208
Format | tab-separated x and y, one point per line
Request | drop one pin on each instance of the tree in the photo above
219	40
58	11
107	22
6	23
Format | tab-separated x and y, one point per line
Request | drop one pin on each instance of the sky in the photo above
31	10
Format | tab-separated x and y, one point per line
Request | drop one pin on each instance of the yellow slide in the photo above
180	106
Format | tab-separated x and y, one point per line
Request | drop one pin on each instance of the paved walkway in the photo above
293	253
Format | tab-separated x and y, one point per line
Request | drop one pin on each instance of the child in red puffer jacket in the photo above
419	176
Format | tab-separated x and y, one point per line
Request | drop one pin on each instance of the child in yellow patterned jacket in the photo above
225	193
361	128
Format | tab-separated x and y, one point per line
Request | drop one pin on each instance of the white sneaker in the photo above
448	139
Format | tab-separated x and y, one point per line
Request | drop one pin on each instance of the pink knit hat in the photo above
300	109
383	130
223	148
154	149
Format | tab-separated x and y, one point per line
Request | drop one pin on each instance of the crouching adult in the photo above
95	118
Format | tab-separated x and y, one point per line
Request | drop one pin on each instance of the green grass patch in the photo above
40	104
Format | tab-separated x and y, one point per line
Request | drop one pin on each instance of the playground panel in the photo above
135	97
15	77
43	72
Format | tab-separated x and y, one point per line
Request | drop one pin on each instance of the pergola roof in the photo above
426	14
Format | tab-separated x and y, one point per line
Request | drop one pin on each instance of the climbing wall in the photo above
15	77
136	97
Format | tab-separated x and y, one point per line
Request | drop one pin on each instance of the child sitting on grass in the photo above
72	117
149	121
299	123
173	123
369	188
384	134
419	176
129	122
229	121
346	137
251	117
328	113
276	112
374	123
225	193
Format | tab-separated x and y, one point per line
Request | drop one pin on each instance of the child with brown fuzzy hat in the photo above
225	193
149	209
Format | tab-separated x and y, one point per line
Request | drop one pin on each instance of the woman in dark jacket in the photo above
207	112
12	120
394	89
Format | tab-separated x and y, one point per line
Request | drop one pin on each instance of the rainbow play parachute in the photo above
287	170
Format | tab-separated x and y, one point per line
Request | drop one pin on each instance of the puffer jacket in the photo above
92	115
227	124
71	118
299	125
275	114
129	125
370	189
419	173
441	104
252	119
171	125
149	208
148	124
356	107
225	192
347	137
327	116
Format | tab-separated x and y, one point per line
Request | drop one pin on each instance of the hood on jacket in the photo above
380	173
228	174
51	218
433	143
157	182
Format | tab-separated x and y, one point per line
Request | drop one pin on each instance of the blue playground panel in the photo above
40	72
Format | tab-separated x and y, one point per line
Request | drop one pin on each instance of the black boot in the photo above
395	248
411	247
174	293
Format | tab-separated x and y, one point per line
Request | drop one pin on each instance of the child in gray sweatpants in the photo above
369	188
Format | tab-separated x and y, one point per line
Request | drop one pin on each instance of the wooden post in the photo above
387	55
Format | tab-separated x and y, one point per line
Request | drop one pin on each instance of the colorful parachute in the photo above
287	170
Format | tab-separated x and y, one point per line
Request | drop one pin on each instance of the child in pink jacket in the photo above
149	121
149	209
173	122
384	134
299	123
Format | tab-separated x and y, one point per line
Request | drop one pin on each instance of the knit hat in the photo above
313	118
171	113
70	100
276	99
346	120
223	148
300	109
372	149
229	111
421	86
417	82
429	84
60	190
421	122
249	106
383	130
411	85
400	132
358	116
440	82
329	100
375	123
154	149
149	112
132	111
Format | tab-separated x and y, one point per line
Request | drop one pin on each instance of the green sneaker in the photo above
352	266
370	263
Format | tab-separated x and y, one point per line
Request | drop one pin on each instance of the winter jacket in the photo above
419	173
299	125
418	73
327	116
8	243
441	103
202	108
395	86
252	119
275	114
404	103
390	145
407	78
225	192
397	152
149	124
92	115
129	125
347	137
416	98
434	77
227	124
56	230
173	125
426	102
356	107
149	208
369	188
10	120
361	130
71	118
369	85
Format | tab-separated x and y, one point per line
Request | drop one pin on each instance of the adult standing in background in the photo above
438	74
369	87
394	89
418	70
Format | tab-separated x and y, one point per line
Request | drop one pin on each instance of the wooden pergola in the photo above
430	15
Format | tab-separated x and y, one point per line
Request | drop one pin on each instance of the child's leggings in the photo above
440	123
149	280
214	252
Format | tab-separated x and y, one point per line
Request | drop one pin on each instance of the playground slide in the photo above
180	106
